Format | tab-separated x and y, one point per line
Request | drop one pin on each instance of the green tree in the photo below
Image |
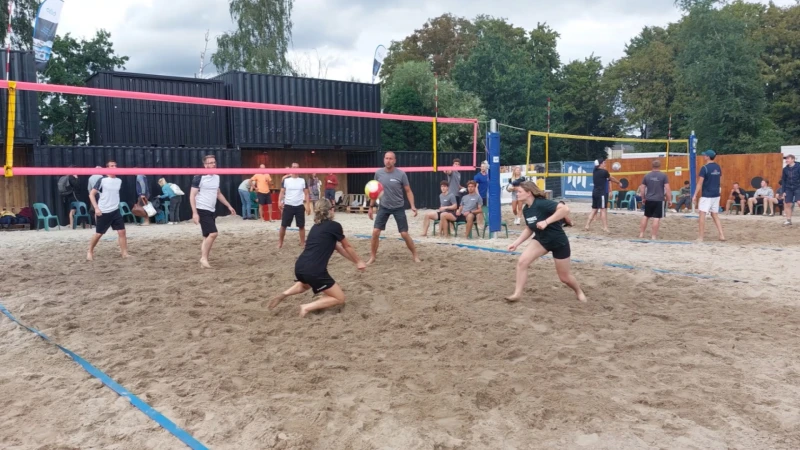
780	36
720	75
441	41
63	117
22	26
261	40
403	135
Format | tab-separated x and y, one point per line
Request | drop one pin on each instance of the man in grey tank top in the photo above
394	182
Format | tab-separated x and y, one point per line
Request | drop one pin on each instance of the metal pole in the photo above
8	40
693	165
493	151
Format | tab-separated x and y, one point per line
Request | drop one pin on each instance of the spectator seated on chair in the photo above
763	197
685	199
778	200
447	206
737	197
7	218
471	208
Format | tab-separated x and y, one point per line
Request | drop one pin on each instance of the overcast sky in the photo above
167	36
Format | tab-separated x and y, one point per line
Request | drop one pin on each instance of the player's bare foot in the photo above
204	263
371	260
274	301
582	297
605	230
585	228
125	256
280	244
303	311
417	260
90	256
722	238
513	298
641	235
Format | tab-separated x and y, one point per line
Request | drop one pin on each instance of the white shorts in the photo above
709	205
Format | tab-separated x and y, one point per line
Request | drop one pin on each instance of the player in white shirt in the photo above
203	197
106	210
293	198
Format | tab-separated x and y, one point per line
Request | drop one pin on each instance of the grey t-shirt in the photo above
654	183
470	202
764	192
455	182
446	200
394	184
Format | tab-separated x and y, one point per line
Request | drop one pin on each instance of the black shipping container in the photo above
115	121
46	187
424	185
26	129
274	129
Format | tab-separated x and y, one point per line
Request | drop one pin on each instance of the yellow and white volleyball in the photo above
616	166
374	189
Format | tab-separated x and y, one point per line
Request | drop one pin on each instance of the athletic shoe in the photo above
788	223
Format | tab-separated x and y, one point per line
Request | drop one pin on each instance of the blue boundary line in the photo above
159	418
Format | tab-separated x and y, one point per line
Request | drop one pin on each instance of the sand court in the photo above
669	352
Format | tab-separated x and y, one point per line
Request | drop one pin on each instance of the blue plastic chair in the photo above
613	199
80	211
630	196
43	217
125	210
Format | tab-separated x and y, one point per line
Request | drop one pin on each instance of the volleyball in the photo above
616	166
374	190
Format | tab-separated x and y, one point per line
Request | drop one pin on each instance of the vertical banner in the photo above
377	61
44	31
578	186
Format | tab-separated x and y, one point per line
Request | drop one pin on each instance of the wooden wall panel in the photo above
742	169
285	158
15	191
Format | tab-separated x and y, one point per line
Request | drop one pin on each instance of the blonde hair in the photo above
533	189
323	211
515	169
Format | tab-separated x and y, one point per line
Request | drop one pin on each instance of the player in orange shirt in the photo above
261	184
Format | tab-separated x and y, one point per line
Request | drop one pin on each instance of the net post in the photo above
547	155
8	168
528	159
435	159
475	144
493	149
666	163
693	165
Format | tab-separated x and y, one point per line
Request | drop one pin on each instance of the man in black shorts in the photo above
656	195
601	177
394	182
203	198
293	198
106	210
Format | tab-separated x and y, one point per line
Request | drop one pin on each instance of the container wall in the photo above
424	185
46	187
305	158
22	68
274	129
114	121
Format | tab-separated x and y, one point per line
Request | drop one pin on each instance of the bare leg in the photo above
269	211
260	212
566	277
656	223
702	225
373	247
71	217
123	243
302	237
532	252
410	245
728	206
591	219
205	249
280	238
332	296
92	244
604	217
426	223
715	218
470	220
642	227
297	288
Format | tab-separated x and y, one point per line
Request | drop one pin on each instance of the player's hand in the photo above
196	218
233	211
98	213
369	213
415	211
361	266
512	247
542	224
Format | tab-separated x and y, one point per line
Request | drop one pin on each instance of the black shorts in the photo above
792	195
318	282
654	209
559	252
111	220
599	201
208	223
382	217
264	199
298	213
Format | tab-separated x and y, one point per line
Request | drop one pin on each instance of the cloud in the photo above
166	36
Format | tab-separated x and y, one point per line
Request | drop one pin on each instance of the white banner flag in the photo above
44	31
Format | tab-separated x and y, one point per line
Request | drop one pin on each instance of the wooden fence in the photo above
14	191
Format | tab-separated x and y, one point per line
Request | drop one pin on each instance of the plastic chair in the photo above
486	222
125	210
436	225
44	217
80	211
739	204
630	196
613	199
474	227
675	195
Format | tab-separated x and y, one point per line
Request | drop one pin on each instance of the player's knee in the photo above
564	277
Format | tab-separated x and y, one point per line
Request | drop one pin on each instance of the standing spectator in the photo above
171	192
482	178
762	197
790	180
331	183
143	194
314	185
685	197
244	194
454	181
655	193
516	208
262	183
68	189
708	184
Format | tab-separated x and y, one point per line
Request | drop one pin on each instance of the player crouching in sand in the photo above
311	267
543	217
